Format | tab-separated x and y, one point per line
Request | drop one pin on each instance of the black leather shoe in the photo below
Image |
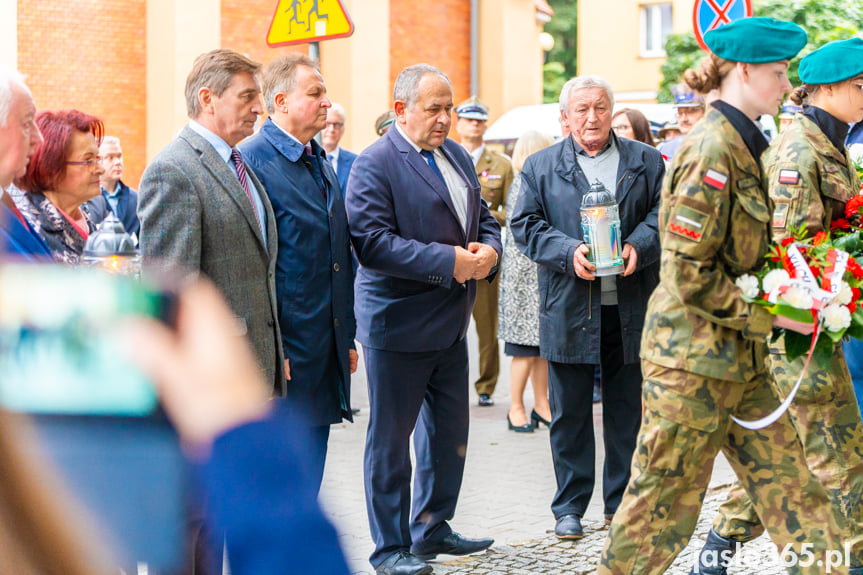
609	517
404	563
537	419
568	527
714	557
526	428
452	544
485	400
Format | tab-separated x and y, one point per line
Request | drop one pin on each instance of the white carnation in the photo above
748	284
844	296
836	317
797	297
774	279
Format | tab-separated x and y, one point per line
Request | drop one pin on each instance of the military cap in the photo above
833	62
384	121
472	109
756	40
685	97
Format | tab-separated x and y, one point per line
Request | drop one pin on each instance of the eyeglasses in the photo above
90	163
621	127
336	125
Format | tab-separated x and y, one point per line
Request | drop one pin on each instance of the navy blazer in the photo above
127	209
403	228
314	277
346	160
18	239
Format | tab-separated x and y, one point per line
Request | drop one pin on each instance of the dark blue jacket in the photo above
18	240
403	228
127	209
346	160
314	277
546	225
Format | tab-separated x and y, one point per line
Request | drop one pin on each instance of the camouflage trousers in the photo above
686	423
827	418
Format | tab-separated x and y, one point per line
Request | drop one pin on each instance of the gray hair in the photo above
8	76
280	75
335	107
407	84
108	140
579	83
215	70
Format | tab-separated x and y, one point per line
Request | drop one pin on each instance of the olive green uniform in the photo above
704	350
810	181
494	171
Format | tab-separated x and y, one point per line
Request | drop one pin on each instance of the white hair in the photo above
111	140
7	77
336	107
579	83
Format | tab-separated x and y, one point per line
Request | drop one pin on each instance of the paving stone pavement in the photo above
506	493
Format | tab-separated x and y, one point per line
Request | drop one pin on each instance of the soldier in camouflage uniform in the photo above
703	347
810	177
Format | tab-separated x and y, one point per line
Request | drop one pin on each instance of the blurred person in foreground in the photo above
810	178
424	237
704	348
494	171
19	136
62	175
247	459
314	281
581	327
519	308
689	106
117	197
629	123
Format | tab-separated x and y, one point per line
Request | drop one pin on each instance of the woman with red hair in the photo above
63	174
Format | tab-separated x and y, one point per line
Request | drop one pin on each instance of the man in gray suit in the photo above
202	209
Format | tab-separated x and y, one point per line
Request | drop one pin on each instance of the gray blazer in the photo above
195	216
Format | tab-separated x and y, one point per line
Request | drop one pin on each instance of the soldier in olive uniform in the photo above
495	174
703	347
810	177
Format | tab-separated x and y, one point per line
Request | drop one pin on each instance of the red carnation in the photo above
840	224
819	238
852	208
855	294
855	268
852	306
787	242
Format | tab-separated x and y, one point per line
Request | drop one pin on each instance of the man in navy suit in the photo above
314	279
19	136
423	237
117	197
340	158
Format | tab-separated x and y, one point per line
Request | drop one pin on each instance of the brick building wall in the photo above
90	55
437	34
245	24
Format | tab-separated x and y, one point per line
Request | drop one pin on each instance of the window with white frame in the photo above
655	28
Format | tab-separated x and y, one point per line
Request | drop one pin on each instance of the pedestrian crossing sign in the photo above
303	21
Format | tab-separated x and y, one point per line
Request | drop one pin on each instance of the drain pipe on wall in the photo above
474	47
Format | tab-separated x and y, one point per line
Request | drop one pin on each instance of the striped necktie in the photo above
244	181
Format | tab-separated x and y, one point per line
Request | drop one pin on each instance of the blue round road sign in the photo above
710	14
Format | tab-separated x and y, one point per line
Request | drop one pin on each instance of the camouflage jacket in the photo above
808	179
714	220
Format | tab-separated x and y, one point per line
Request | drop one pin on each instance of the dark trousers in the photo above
573	449
485	310
425	393
318	437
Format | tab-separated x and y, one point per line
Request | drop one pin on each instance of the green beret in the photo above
756	40
833	62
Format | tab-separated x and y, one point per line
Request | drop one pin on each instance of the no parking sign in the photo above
710	14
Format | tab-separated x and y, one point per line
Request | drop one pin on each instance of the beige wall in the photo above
356	70
610	45
9	33
510	58
177	32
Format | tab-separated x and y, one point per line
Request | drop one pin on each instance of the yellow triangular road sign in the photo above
301	21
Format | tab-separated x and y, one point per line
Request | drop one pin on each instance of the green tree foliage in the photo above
561	61
823	20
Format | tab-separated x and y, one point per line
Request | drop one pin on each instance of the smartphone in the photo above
97	417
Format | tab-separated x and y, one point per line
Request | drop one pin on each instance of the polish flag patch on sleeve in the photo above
715	179
789	176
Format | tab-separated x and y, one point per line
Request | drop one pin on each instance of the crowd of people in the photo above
308	248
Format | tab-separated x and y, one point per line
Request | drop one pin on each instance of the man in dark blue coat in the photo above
424	237
585	321
19	136
314	280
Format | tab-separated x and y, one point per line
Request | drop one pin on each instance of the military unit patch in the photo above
715	179
789	176
687	223
780	215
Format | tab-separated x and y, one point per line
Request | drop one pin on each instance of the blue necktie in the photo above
429	156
